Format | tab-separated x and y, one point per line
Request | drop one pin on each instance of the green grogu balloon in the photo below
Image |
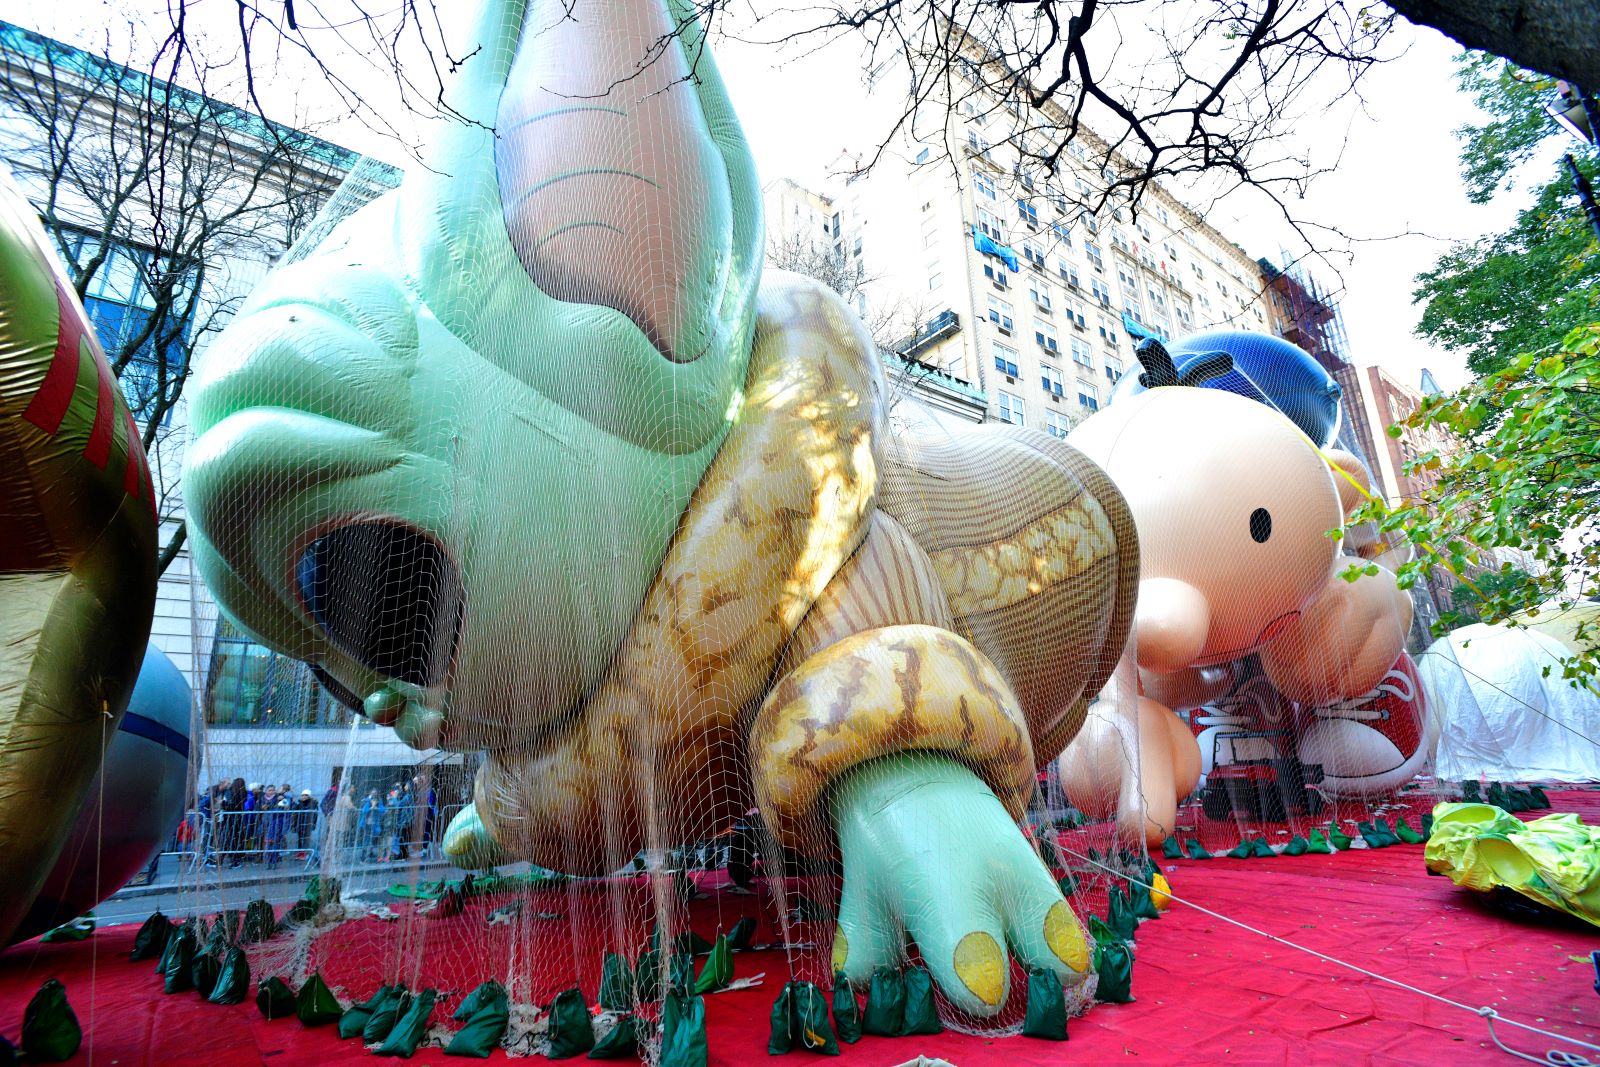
529	458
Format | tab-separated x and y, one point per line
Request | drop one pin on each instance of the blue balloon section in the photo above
1266	369
133	806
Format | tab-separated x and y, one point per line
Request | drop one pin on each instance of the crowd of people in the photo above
234	823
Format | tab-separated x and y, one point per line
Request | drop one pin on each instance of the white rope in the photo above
1555	1058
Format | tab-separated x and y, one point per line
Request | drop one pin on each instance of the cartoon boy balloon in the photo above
1233	506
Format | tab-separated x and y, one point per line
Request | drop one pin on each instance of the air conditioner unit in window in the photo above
1010	380
1055	398
1076	325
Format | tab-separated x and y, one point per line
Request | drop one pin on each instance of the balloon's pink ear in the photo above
1350	477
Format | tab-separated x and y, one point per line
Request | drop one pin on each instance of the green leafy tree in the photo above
1522	290
1527	479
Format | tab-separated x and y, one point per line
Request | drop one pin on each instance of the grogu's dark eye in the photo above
1260	525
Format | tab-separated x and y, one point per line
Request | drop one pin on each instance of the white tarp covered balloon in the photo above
1502	718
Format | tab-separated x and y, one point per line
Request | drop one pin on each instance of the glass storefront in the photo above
249	685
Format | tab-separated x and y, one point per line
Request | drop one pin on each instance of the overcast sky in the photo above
1397	175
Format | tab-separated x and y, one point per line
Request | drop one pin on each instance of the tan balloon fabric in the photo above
1344	642
899	689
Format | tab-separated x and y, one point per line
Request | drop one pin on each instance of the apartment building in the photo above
1033	295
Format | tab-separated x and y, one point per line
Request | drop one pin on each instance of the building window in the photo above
1161	213
1005	358
922	156
1075	314
995	273
1080	352
1000	313
1033	254
1131	309
1093	252
1108	330
1040	294
1056	424
1028	213
1011	409
1088	396
1063	233
935	280
119	305
1119	241
1051	376
248	685
1113	371
1069	273
1100	290
1090	223
984	185
1130	284
1045	334
989	226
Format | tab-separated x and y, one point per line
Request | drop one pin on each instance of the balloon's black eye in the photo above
1260	525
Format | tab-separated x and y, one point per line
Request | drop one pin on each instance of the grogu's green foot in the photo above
468	843
930	853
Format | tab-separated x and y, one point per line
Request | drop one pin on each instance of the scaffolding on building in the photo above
1307	313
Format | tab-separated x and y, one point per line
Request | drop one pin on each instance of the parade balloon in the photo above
1266	369
132	808
77	556
532	458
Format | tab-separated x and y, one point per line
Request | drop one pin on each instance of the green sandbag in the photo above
647	976
571	1026
1263	850
204	972
301	911
1119	914
800	1020
616	984
259	922
921	1014
224	932
886	1004
275	999
1298	846
1068	884
232	985
177	962
846	1012
1197	851
1382	826
50	1030
1139	899
683	1031
315	1004
410	1028
1404	832
1113	964
486	993
1371	836
620	1043
718	971
1171	850
385	1015
1244	850
680	975
1338	838
151	938
689	943
1427	825
1469	792
1318	844
739	937
356	1016
78	929
485	1028
1047	1006
1538	795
